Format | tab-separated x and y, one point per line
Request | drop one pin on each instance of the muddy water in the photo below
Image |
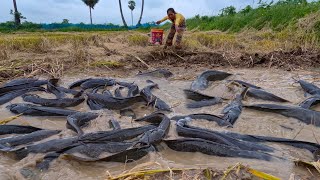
279	82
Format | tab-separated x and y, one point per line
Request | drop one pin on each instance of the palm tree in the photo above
90	4
123	20
139	22
131	5
16	13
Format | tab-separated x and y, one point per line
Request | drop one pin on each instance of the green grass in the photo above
103	63
276	17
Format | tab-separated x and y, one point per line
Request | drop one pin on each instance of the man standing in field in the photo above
178	26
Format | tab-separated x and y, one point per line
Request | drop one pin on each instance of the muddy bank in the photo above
290	60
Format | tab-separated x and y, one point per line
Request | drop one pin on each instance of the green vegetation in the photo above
276	16
10	26
109	64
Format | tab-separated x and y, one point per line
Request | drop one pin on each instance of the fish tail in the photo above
244	92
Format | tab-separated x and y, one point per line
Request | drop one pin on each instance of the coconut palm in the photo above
16	13
142	6
132	6
90	4
123	20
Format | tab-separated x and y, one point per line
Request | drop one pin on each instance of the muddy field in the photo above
113	56
279	82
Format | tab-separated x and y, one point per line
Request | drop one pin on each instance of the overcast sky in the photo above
107	11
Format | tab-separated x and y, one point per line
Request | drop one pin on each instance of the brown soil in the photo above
292	60
73	57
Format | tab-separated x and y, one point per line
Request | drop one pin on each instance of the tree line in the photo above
91	4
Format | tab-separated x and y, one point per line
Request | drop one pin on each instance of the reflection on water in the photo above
281	83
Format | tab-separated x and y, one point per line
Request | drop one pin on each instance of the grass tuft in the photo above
109	64
138	40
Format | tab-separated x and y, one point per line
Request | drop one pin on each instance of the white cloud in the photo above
107	11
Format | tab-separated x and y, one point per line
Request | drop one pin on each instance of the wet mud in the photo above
281	83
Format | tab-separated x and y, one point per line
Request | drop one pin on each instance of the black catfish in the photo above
245	84
305	115
85	152
52	88
153	118
233	110
202	100
152	99
93	105
213	148
47	146
147	94
78	83
127	156
98	150
309	102
63	102
159	73
33	110
312	147
202	81
78	120
13	94
183	129
16	129
157	134
114	103
133	89
47	159
115	135
264	95
196	96
94	83
209	117
17	82
35	136
75	93
21	84
204	103
309	88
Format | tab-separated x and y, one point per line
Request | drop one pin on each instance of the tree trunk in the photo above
131	18
123	20
141	14
16	13
90	15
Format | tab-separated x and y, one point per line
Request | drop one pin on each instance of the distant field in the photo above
285	35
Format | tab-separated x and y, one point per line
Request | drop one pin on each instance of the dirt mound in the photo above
295	59
178	59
